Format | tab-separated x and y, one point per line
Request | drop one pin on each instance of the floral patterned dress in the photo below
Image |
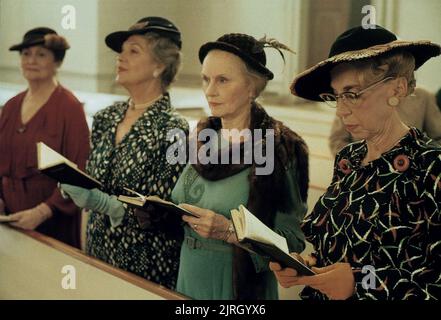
138	162
385	217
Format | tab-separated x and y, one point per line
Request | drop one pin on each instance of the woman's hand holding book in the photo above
209	224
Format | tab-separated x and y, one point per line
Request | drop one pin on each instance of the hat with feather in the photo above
246	47
46	37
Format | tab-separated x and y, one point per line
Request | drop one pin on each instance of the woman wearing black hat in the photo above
129	144
377	228
417	110
45	112
234	73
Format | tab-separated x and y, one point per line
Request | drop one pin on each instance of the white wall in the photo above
89	64
203	21
421	20
415	20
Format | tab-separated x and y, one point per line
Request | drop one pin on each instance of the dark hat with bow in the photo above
158	25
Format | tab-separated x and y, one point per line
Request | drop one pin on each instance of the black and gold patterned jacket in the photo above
386	217
139	163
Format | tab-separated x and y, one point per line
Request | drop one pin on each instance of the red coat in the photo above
61	124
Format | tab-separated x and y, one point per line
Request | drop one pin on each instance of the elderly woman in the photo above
377	228
129	143
212	266
417	110
45	112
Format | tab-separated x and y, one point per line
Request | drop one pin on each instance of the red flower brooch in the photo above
345	166
401	163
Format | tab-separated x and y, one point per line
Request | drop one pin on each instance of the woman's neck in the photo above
39	88
384	141
232	126
145	92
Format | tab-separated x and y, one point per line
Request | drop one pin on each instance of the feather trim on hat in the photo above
271	43
139	26
376	50
55	42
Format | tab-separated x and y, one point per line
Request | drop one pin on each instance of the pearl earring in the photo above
393	101
156	74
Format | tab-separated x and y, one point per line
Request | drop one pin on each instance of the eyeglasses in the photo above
348	97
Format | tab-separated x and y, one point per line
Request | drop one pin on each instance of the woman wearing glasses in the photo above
417	110
377	228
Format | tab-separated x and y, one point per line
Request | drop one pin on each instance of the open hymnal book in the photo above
141	201
256	237
54	165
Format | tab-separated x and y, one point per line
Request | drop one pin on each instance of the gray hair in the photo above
258	80
393	64
167	53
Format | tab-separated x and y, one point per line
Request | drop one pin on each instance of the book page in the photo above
48	157
236	217
159	200
141	201
57	167
257	230
140	197
137	201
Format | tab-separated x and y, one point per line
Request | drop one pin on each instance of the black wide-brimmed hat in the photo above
353	45
158	25
245	47
45	37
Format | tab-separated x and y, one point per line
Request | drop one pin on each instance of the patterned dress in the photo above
385	217
139	163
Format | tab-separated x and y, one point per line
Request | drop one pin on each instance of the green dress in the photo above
206	265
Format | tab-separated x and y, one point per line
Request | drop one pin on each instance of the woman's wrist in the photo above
44	211
230	234
233	239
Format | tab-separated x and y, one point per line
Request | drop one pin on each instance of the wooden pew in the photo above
31	267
